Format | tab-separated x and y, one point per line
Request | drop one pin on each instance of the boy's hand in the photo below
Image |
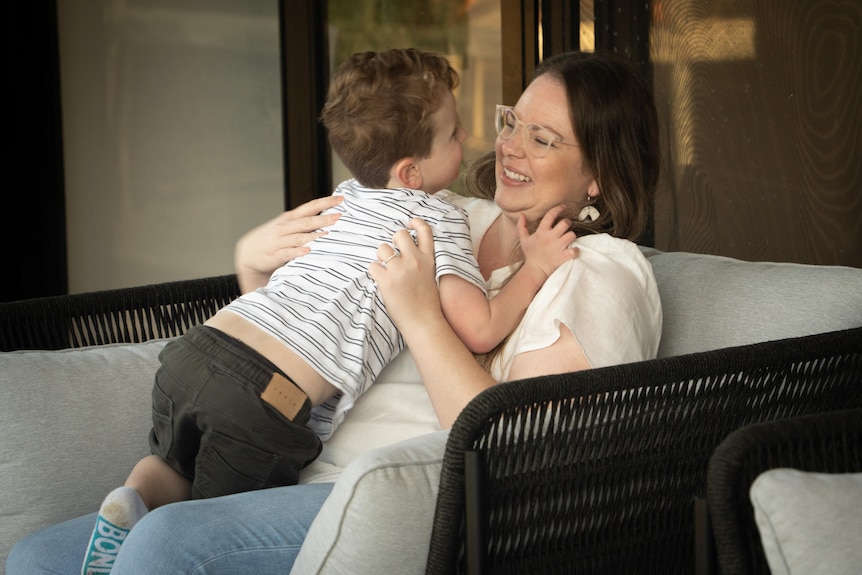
550	246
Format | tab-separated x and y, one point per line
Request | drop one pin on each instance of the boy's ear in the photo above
407	172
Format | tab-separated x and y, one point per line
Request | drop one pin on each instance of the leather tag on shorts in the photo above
284	395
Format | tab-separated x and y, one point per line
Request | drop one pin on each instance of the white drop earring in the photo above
589	213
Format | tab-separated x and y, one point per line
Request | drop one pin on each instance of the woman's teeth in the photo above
515	175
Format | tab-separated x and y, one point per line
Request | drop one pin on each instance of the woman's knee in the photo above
153	540
55	549
262	528
161	527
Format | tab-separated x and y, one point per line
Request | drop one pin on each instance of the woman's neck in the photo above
499	246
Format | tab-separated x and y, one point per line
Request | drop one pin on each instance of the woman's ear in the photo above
407	173
593	190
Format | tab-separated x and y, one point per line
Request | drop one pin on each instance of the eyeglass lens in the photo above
537	139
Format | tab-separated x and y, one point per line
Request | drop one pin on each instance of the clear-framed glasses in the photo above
537	139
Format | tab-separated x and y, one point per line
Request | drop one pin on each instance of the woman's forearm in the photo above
449	371
250	280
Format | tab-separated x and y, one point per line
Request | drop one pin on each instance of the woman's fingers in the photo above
288	234
300	229
405	274
313	207
419	251
386	253
424	236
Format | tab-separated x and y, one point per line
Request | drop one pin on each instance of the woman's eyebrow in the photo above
545	126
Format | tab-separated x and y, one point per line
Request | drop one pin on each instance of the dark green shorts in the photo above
211	425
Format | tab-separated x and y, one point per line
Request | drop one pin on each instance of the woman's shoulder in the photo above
481	213
603	252
611	245
609	299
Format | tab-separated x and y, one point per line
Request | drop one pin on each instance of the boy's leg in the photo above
151	484
158	483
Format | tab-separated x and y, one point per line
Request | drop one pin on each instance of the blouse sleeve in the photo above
607	297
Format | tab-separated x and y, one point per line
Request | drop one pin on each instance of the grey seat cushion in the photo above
74	423
711	302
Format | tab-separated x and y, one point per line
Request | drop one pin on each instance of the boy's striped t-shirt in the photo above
324	305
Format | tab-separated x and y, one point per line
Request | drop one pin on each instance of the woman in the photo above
588	141
583	134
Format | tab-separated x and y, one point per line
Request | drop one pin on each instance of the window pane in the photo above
761	107
172	135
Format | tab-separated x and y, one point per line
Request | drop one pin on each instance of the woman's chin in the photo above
512	195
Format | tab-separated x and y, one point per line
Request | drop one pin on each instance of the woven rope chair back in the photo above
123	315
595	472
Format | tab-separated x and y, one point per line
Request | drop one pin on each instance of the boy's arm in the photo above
482	323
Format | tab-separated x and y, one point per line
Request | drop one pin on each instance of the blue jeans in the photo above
254	532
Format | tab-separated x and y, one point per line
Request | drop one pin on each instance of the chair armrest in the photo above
377	519
826	443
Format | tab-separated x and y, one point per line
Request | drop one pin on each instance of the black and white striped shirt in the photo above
324	305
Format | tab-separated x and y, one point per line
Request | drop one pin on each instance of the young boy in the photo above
244	401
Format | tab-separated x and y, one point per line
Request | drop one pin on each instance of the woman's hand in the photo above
407	279
270	245
408	286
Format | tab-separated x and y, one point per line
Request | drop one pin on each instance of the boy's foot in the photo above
120	510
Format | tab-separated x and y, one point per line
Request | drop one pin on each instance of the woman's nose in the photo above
514	146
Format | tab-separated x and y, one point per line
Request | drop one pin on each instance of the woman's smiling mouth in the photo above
515	175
